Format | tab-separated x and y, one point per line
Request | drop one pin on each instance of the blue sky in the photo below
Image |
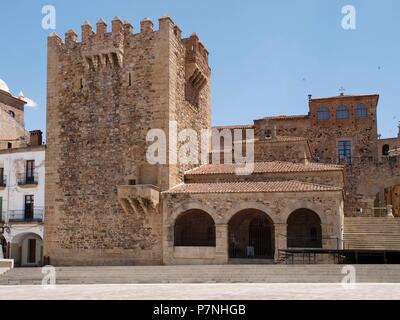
266	56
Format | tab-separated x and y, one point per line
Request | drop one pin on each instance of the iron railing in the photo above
369	212
26	179
36	215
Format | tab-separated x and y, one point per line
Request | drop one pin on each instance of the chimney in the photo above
36	138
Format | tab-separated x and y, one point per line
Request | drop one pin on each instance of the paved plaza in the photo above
263	291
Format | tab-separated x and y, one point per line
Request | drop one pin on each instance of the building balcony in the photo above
24	216
27	180
138	199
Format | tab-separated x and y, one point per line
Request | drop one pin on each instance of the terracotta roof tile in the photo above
239	126
284	139
251	187
288	117
265	167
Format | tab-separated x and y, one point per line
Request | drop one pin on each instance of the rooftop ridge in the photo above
251	187
264	167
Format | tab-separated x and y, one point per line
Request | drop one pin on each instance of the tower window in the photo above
342	112
385	150
129	79
323	113
11	113
362	111
344	151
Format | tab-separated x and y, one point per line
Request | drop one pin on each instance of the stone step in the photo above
204	274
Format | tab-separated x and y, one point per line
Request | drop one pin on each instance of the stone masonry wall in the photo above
323	137
278	206
104	94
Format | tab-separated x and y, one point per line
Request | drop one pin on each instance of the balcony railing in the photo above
24	179
25	216
371	212
3	181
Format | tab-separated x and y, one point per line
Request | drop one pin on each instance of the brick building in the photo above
105	204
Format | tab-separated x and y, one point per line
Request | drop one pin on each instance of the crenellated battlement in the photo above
102	47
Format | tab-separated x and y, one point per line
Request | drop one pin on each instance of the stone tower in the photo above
104	94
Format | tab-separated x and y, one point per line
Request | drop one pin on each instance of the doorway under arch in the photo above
194	228
251	235
27	249
304	229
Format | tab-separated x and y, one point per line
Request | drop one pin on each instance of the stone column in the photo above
222	247
280	238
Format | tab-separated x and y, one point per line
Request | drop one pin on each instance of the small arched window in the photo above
362	111
323	113
11	113
342	112
385	150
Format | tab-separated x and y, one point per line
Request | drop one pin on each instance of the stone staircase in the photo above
372	233
204	274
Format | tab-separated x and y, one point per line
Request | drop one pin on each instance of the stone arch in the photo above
27	249
245	205
194	228
191	205
251	234
287	211
304	229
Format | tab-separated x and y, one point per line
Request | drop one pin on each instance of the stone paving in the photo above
263	291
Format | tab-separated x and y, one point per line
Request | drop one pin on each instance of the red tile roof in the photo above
283	139
239	126
286	117
264	167
251	187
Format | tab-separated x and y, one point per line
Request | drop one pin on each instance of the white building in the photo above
22	175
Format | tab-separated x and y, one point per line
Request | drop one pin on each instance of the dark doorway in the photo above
3	244
251	235
385	150
194	228
304	229
31	250
30	171
29	202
